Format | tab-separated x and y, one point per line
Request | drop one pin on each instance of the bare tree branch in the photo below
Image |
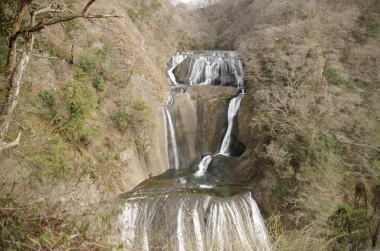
87	6
53	21
14	143
82	14
361	145
15	70
21	12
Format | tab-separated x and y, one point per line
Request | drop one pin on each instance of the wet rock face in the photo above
190	207
201	115
207	68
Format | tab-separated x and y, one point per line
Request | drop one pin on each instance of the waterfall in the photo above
172	138
176	60
207	68
195	222
203	165
233	109
197	229
145	246
182	210
180	233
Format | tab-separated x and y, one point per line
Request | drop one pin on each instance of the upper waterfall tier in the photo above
206	68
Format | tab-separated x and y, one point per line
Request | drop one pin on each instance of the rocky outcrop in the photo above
200	118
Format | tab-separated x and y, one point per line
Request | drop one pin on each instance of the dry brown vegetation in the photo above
72	154
312	115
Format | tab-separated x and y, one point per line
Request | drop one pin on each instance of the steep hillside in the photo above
93	128
91	121
311	116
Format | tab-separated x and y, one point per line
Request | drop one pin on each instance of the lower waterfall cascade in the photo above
188	207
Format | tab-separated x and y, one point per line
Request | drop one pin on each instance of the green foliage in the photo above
369	26
70	4
42	45
285	190
140	105
28	227
88	62
272	64
132	14
3	54
367	126
110	144
93	60
124	118
155	4
71	27
333	77
18	230
121	119
368	88
47	98
140	112
276	50
369	21
79	74
99	83
375	170
146	9
349	228
8	9
266	122
48	157
51	160
360	36
80	100
312	146
108	218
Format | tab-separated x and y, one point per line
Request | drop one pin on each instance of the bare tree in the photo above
18	58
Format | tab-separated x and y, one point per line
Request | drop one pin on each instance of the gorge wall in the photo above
91	120
308	122
189	206
308	117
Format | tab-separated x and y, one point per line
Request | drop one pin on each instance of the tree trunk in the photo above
12	55
16	64
14	73
14	87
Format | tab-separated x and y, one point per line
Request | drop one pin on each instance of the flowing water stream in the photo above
189	208
173	140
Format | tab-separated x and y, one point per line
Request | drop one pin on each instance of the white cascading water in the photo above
176	211
176	60
195	222
233	109
207	68
203	165
197	229
173	139
180	229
